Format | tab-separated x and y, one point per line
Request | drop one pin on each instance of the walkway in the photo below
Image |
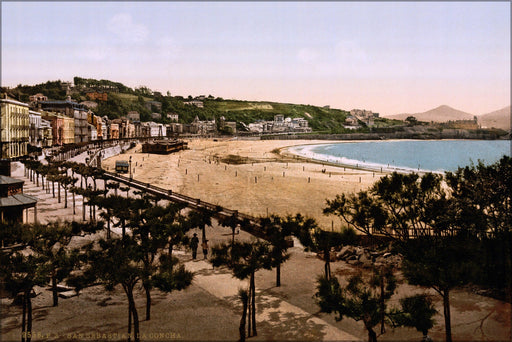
285	320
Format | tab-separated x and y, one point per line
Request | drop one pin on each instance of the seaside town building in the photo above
351	122
366	116
153	129
35	133
114	131
46	133
73	110
133	115
280	125
227	126
92	132
13	201
174	128
38	97
57	124
120	127
68	133
202	127
14	122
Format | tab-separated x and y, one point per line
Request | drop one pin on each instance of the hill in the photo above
497	119
122	99
440	114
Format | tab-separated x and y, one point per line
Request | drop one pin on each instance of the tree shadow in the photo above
291	326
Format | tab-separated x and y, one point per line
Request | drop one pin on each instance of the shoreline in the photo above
359	165
305	152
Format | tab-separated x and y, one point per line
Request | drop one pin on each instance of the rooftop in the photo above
18	200
10	180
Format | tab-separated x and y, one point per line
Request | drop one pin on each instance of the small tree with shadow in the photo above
279	232
244	259
416	312
360	300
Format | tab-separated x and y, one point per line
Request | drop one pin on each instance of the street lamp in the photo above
130	167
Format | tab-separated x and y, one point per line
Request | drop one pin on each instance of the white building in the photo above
93	135
173	117
157	130
34	121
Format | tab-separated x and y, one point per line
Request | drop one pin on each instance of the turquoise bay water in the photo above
408	155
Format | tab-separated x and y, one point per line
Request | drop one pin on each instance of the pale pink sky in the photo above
386	57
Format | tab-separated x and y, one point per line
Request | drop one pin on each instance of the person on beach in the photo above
194	243
204	245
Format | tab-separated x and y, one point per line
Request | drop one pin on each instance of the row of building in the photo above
44	123
280	125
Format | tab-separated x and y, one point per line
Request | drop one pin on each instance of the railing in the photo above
218	211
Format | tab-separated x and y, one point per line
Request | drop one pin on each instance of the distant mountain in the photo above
440	114
496	119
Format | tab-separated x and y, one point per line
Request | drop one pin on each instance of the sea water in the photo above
408	155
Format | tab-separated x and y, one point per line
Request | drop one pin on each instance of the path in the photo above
284	319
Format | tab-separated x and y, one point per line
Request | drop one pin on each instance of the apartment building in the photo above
14	123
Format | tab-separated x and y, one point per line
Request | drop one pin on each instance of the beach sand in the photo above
265	182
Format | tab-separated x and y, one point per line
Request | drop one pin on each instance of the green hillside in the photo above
122	99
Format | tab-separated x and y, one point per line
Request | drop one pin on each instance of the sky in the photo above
388	57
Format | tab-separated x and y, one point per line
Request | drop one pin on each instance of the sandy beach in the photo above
266	179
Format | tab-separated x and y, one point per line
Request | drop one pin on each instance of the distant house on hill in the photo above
97	95
198	104
133	115
351	122
150	104
156	116
89	104
173	117
37	97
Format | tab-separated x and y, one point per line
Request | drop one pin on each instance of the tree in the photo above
20	272
66	181
243	294
279	233
118	263
398	205
231	222
441	263
153	227
200	218
244	259
359	300
416	312
384	280
483	208
318	240
51	241
405	206
411	120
